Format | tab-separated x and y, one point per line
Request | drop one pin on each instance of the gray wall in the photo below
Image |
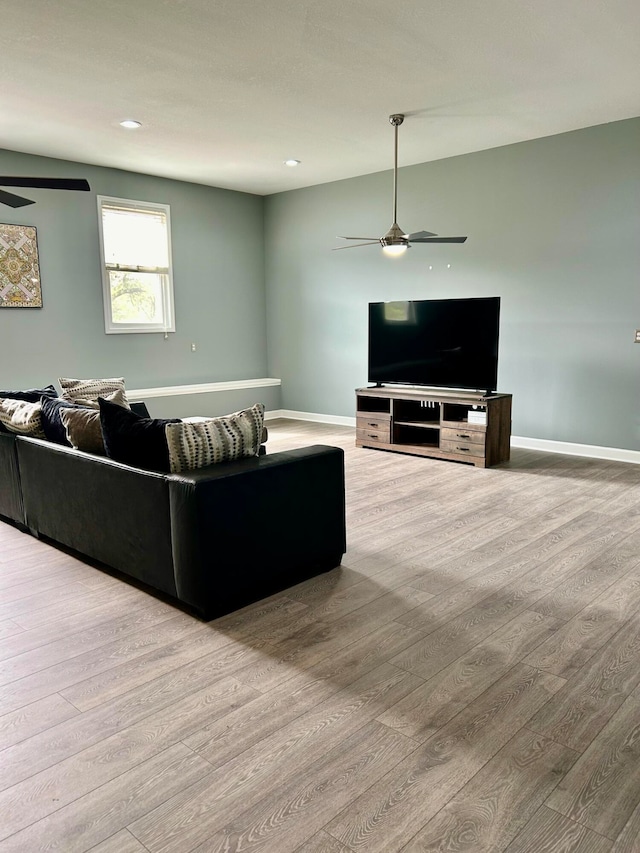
218	257
554	229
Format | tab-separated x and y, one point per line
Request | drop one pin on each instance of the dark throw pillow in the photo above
134	440
31	395
52	422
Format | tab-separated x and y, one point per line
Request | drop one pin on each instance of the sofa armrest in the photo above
10	491
245	529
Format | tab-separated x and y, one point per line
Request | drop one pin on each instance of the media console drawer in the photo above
462	448
381	435
468	436
373	420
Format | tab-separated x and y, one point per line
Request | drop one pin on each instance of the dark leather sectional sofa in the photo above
215	539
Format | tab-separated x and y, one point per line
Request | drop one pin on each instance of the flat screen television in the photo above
442	343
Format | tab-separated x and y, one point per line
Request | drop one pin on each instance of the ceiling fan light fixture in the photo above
394	249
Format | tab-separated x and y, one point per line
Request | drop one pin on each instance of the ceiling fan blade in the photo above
417	235
340	237
356	245
440	240
12	200
46	183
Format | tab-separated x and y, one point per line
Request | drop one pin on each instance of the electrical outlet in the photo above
637	337
193	347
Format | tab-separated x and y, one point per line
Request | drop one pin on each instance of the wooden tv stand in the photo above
435	423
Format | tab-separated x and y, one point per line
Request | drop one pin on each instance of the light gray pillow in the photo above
82	391
213	440
21	417
118	397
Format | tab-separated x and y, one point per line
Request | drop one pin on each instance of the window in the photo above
135	246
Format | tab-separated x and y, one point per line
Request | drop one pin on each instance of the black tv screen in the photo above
445	343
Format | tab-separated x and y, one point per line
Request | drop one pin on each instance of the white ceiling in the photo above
228	89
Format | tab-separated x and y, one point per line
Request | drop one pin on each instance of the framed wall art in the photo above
19	267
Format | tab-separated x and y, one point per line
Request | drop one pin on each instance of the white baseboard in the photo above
202	388
568	448
591	451
336	420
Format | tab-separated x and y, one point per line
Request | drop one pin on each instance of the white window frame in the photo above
168	312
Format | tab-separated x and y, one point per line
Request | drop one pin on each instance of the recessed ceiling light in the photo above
130	123
292	163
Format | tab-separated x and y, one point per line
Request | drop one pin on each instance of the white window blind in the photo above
135	239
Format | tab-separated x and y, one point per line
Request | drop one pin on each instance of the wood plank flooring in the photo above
468	680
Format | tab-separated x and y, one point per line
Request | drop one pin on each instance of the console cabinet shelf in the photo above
440	424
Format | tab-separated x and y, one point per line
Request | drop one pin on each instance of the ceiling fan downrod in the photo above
396	120
395	236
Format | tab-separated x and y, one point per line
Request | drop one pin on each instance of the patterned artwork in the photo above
19	267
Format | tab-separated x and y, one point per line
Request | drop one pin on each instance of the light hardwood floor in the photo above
468	680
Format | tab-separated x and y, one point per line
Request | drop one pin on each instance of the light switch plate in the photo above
637	337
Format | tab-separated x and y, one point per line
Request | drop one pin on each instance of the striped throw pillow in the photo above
85	391
207	442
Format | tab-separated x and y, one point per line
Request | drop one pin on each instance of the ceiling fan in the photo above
395	241
38	183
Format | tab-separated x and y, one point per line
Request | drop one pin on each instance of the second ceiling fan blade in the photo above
417	235
440	240
340	237
14	201
46	183
356	245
